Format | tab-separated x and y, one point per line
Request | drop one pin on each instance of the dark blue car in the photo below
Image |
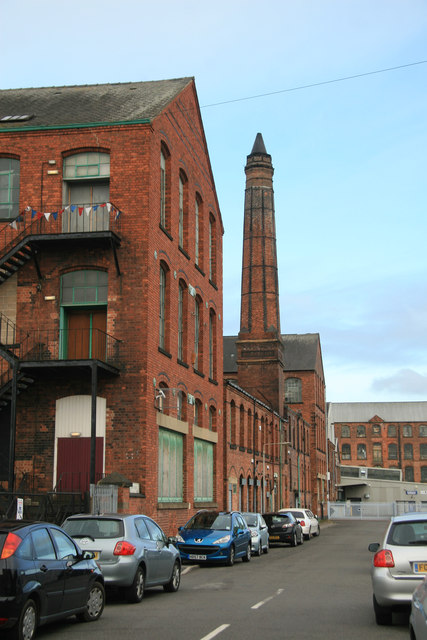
215	536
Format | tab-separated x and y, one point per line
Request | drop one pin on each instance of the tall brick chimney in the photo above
260	352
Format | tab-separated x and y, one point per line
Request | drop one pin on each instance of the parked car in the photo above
45	576
215	536
284	527
259	532
132	551
308	521
418	617
399	564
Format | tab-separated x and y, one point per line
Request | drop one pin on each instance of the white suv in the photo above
307	519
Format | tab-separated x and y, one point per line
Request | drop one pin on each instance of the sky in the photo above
348	141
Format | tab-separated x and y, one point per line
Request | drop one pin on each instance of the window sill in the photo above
184	253
165	353
202	505
200	270
199	373
213	381
173	505
165	231
213	284
182	363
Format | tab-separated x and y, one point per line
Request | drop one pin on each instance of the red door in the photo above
73	463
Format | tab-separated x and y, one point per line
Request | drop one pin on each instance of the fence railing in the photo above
372	510
86	218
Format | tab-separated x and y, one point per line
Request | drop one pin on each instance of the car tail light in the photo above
384	558
124	548
11	544
302	523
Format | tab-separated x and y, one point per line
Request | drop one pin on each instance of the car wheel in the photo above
267	547
174	582
25	628
231	556
301	538
308	535
294	539
318	532
135	592
247	556
383	615
94	604
259	550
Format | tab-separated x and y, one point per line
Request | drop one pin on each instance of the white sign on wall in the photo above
19	508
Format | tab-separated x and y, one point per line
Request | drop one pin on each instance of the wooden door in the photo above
86	334
73	463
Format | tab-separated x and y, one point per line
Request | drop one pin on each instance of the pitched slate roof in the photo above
387	411
301	352
60	106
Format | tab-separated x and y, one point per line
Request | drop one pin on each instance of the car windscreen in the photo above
251	520
278	518
210	520
94	527
406	534
298	514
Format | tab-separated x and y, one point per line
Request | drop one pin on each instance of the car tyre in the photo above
259	550
294	540
318	532
26	626
94	604
301	539
267	547
308	535
135	592
247	556
174	582
383	615
231	557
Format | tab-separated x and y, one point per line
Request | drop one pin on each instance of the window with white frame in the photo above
9	188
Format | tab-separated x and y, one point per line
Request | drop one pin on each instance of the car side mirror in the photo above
172	540
374	546
180	529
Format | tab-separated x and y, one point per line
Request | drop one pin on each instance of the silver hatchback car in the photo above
131	550
399	564
259	532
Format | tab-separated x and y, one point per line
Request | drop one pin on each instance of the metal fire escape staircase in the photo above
9	360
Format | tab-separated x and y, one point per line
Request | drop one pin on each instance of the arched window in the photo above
182	321
9	188
361	451
423	474
407	431
198	334
198	413
345	431
423	451
423	430
83	318
242	426
293	390
164	307
409	474
198	231
212	419
346	452
212	345
377	454
212	248
391	430
361	431
86	187
233	422
183	211
164	187
392	451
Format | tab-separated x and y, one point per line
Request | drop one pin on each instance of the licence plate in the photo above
96	555
274	537
420	567
196	556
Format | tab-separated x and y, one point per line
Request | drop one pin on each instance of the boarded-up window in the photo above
203	470
170	466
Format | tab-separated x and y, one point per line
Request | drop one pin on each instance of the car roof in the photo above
14	525
412	516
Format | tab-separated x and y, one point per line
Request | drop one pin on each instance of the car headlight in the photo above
223	540
254	534
179	538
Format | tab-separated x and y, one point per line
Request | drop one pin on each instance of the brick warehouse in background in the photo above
111	295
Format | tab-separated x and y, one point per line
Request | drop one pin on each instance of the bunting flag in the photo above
87	209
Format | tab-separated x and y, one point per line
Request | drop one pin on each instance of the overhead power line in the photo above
314	84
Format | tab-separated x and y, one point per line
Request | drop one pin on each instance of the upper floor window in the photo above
198	226
182	321
163	307
183	210
345	431
408	451
409	474
212	345
212	249
376	429
9	188
407	431
198	334
293	390
423	430
346	452
392	451
198	413
86	185
361	431
391	430
164	188
361	451
423	474
423	451
377	454
212	419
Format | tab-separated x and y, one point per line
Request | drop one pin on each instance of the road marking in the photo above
262	602
215	632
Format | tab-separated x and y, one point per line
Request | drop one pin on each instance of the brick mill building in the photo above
111	295
275	441
386	435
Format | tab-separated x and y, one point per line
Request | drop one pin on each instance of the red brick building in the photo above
111	294
388	435
275	439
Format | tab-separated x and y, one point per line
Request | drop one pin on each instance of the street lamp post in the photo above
271	444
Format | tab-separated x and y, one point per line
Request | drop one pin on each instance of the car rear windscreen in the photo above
94	527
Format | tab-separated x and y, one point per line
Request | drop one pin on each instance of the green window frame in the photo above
170	479
84	287
92	164
203	470
9	188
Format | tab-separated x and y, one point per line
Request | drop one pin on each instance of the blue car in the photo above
215	536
